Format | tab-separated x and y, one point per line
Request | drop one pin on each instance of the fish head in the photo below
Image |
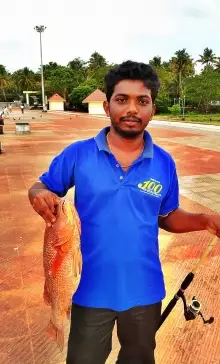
71	215
67	225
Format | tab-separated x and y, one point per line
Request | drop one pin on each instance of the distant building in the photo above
95	101
56	103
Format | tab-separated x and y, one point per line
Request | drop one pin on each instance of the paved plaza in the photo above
23	314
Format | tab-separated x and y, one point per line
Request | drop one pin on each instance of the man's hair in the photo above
130	70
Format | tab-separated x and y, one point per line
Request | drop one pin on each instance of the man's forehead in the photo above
136	87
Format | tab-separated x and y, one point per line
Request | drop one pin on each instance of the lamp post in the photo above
40	29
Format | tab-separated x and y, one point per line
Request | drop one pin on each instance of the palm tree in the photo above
24	79
155	62
48	69
208	58
4	80
77	64
217	64
182	65
96	61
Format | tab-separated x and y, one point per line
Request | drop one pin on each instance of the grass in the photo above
211	119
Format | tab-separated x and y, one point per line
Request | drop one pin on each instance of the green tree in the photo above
4	80
49	68
77	64
79	93
164	98
217	64
155	62
204	88
96	61
182	66
24	79
98	76
208	58
62	80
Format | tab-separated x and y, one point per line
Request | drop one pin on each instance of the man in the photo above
22	108
6	111
125	186
1	123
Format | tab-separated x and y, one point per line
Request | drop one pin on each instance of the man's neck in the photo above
124	144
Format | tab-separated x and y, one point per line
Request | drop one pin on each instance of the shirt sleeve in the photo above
171	200
60	175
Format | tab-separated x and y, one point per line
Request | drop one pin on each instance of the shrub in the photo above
175	109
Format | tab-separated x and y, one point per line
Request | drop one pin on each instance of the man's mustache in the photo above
131	118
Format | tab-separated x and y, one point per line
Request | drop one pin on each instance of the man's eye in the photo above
121	101
143	102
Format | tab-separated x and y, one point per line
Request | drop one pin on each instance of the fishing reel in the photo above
194	310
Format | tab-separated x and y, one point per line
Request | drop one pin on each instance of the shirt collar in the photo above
101	142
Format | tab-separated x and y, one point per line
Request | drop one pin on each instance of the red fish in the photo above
62	262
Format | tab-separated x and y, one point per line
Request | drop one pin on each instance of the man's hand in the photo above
44	203
213	224
180	221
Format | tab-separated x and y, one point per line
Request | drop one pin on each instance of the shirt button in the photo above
121	177
117	165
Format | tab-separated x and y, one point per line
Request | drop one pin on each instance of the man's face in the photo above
130	108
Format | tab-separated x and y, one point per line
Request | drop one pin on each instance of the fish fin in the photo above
57	262
65	247
60	339
77	263
68	313
47	298
56	334
78	224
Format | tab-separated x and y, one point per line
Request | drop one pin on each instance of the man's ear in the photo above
153	111
106	107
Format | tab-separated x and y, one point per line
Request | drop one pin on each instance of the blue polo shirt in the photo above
119	217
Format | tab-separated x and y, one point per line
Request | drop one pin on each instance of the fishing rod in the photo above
192	310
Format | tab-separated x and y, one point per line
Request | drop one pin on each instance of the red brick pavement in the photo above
23	314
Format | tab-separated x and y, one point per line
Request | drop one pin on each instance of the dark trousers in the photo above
90	338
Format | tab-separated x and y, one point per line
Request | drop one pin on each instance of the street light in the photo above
40	29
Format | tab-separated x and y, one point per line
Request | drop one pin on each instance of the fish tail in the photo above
56	334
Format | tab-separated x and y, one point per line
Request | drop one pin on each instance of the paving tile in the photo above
45	350
33	294
10	275
12	299
22	310
19	327
31	268
209	195
201	141
192	160
16	351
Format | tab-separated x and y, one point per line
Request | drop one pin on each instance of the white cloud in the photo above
117	29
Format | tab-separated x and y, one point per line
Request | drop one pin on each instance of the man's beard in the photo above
126	134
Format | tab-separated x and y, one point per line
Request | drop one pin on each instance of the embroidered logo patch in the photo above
151	187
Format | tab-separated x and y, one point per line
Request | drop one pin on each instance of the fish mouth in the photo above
67	210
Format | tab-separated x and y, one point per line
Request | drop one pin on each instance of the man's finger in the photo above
43	210
49	216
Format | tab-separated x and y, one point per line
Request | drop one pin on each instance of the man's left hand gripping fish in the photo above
62	262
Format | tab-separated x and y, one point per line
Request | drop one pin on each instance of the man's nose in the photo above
132	107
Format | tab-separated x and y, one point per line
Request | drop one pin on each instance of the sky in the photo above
118	29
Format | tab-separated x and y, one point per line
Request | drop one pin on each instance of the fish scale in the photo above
62	263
